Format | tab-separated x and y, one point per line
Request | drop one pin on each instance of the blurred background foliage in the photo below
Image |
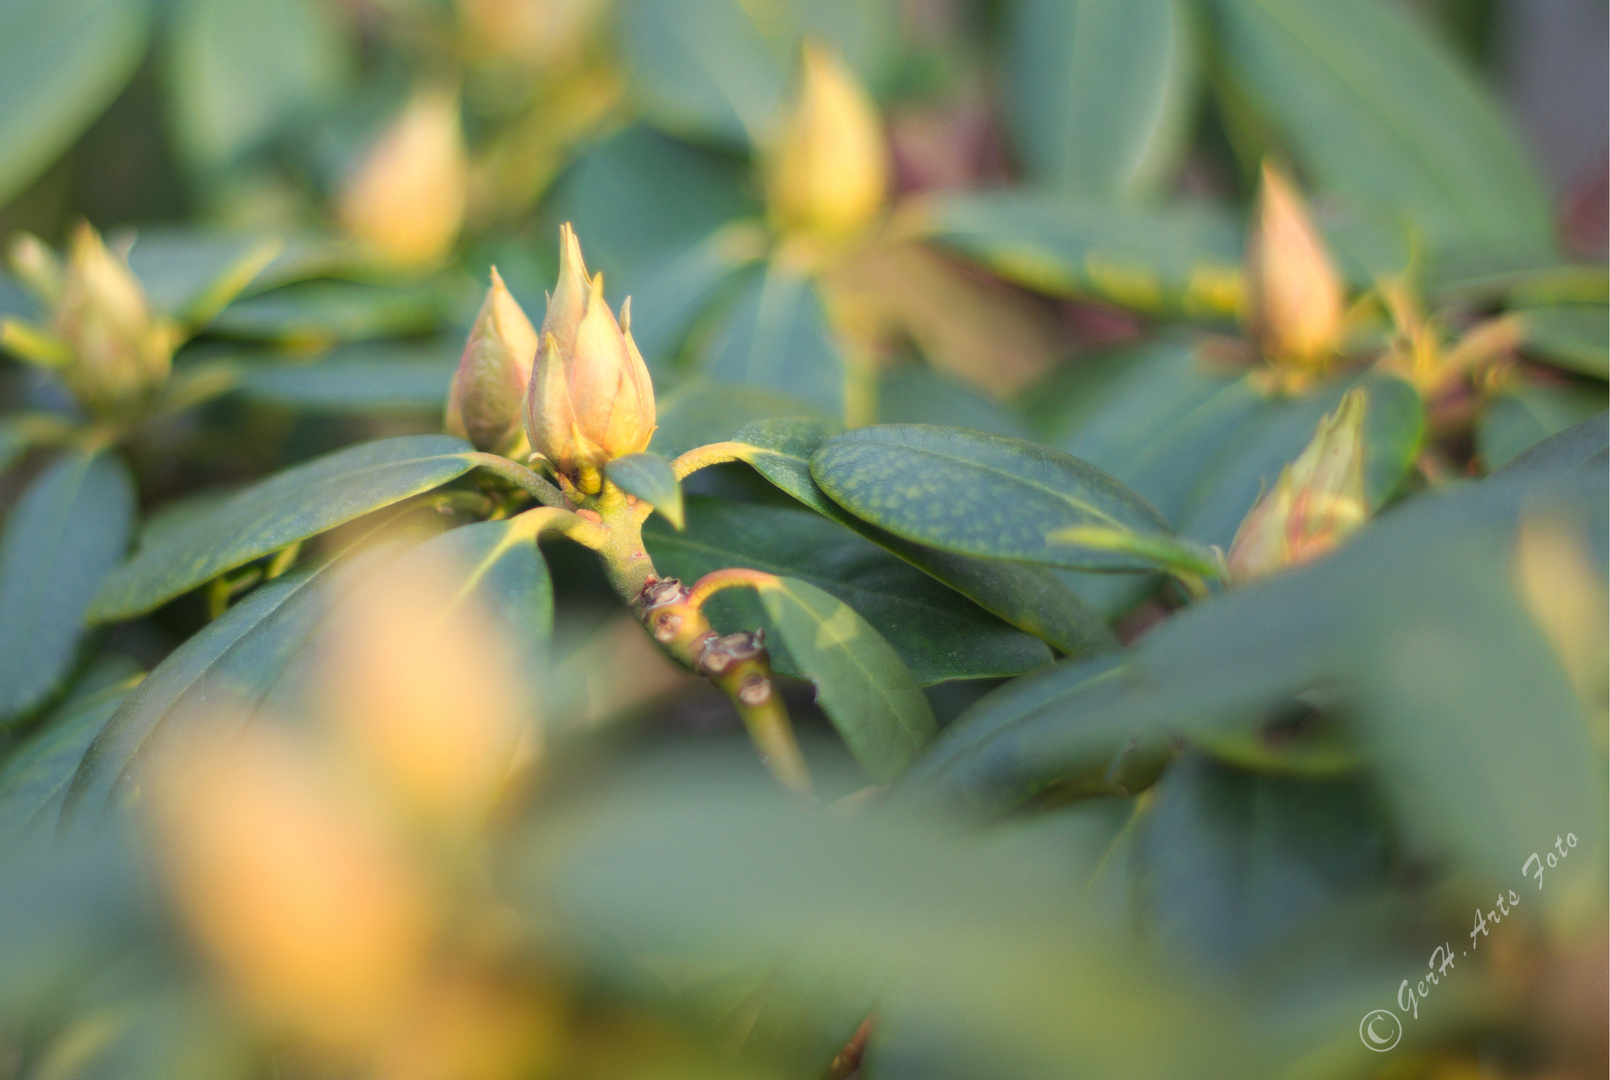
1039	216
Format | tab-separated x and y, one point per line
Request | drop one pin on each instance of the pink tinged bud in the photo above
489	388
1295	295
1318	502
121	350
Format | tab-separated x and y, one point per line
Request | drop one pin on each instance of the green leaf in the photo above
1151	260
66	532
290	506
917	394
326	312
1374	108
870	696
776	336
1575	337
1031	598
1571	448
700	412
938	634
1098	93
974	494
649	477
369	378
1528	413
241	72
64	61
180	266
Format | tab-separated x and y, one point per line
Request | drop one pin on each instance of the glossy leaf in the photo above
290	506
65	534
1098	93
776	337
64	62
937	633
1374	108
974	494
650	478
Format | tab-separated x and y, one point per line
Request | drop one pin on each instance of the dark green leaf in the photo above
64	61
701	412
66	532
283	509
938	634
327	312
1572	336
917	394
650	478
1376	109
377	377
1575	446
974	494
1528	413
1098	93
776	337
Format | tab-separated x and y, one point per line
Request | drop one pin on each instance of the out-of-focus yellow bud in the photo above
121	350
827	173
538	33
290	882
1318	501
406	197
1294	294
590	397
487	397
36	266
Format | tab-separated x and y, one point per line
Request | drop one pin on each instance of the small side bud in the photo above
488	392
120	349
37	267
827	173
406	197
1318	501
1295	296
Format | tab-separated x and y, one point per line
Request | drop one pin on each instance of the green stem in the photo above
522	478
702	457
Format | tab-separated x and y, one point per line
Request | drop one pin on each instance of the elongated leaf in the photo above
1571	336
327	312
776	337
1527	414
1149	260
240	72
378	377
1376	109
1031	598
1573	447
937	633
649	477
290	506
64	61
700	412
983	495
1098	92
869	695
67	531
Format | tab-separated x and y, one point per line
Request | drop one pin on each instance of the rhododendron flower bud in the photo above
1318	501
488	392
120	349
1295	297
827	173
406	198
590	399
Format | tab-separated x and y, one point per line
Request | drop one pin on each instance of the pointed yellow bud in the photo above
590	398
488	392
36	266
1318	501
406	197
1295	297
827	173
120	349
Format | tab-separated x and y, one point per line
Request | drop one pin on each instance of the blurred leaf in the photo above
239	72
717	69
938	634
369	378
290	506
178	265
1528	413
1575	446
1099	93
66	532
1031	598
649	477
1150	260
1375	108
700	412
776	336
1575	337
319	313
1488	276
64	62
974	494
917	394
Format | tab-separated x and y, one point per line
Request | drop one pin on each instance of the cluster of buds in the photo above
1295	296
103	337
1318	501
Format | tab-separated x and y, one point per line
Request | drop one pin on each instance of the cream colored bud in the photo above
406	197
488	392
36	266
1318	501
121	350
827	173
590	398
1295	296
